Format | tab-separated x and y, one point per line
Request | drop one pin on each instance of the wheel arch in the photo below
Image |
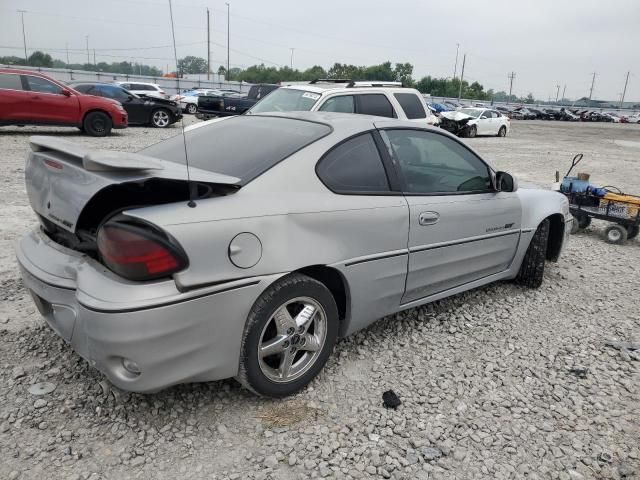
92	110
337	285
556	236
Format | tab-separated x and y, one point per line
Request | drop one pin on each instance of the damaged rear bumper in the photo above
173	337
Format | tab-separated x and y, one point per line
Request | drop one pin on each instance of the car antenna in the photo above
190	185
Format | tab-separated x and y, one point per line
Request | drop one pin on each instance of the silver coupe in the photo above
285	232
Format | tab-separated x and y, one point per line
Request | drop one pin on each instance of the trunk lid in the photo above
62	177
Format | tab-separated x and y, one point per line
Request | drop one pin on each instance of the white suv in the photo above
148	89
384	99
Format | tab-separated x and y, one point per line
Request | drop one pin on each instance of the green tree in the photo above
191	64
40	59
402	73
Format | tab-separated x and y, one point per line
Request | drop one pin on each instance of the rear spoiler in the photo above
113	161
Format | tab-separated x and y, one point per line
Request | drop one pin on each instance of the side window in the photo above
84	89
411	105
343	103
10	81
375	104
37	84
126	86
432	163
354	166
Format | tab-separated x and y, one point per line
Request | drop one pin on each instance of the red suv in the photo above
31	98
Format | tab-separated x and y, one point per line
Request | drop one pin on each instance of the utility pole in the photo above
557	92
67	48
208	46
94	59
86	37
624	91
593	80
227	75
292	49
563	92
455	68
464	60
24	36
511	77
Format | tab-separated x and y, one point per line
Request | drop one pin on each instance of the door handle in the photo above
428	218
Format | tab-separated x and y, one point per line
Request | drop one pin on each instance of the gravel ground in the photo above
499	382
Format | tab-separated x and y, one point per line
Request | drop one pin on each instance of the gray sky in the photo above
545	42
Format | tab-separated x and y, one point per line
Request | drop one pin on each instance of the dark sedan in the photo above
142	110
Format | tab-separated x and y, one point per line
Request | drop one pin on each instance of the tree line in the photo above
386	71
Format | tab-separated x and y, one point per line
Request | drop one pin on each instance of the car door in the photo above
484	123
365	210
461	229
338	103
136	109
47	103
13	98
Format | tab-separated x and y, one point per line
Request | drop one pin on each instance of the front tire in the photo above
532	267
632	231
192	108
97	124
289	335
472	132
502	132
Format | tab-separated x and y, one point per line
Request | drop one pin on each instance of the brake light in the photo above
139	252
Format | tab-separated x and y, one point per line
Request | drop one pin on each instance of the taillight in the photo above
138	252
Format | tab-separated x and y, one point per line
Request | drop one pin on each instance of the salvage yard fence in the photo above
168	84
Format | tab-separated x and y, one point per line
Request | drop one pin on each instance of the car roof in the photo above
342	87
23	72
350	120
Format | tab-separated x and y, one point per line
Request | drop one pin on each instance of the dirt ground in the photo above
499	382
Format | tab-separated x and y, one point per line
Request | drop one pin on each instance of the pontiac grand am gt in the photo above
321	224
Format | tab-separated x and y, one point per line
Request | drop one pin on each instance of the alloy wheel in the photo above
292	339
160	118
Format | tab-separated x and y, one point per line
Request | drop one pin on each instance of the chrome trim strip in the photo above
376	256
420	248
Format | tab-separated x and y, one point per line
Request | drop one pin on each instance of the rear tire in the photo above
266	325
532	268
502	132
97	124
160	118
615	234
632	231
192	108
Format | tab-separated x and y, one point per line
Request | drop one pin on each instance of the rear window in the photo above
10	81
411	105
243	147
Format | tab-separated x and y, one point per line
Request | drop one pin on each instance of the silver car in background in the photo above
289	231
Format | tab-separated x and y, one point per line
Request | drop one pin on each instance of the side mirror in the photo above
65	92
505	182
129	98
483	117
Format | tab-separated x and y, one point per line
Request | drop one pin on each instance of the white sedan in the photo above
189	100
470	122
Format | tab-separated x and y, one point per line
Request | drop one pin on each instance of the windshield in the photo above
286	100
223	147
472	112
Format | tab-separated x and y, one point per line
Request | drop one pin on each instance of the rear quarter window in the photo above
411	105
